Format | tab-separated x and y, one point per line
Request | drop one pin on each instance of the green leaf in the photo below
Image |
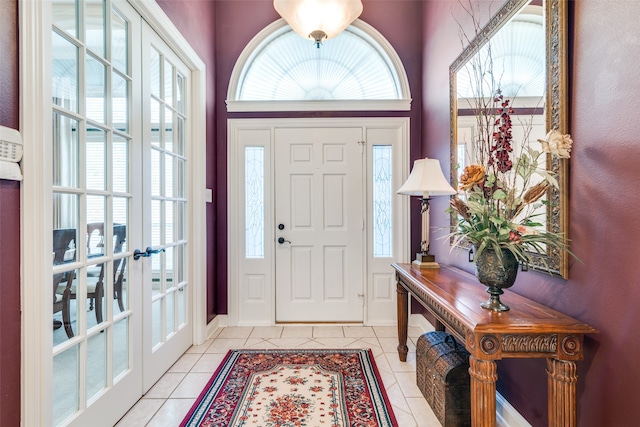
499	195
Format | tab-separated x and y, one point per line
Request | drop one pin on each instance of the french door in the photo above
166	85
120	116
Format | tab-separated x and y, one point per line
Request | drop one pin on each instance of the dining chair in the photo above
95	284
64	251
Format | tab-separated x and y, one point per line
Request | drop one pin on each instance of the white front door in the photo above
319	216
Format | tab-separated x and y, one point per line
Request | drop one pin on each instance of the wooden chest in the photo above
442	374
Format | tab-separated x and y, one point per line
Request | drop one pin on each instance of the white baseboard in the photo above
506	415
219	321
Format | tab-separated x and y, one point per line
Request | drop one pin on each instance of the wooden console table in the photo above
528	330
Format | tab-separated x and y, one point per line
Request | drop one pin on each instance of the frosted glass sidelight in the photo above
254	202
382	201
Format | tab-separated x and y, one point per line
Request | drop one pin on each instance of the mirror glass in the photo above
522	53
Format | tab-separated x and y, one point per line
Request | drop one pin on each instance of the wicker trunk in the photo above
442	371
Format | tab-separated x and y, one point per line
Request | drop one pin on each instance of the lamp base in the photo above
425	261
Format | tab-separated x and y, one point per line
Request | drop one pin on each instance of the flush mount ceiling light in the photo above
318	19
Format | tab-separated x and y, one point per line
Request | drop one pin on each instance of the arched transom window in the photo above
279	70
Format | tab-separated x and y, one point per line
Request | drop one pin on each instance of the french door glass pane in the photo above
120	147
169	270
120	347
65	211
157	313
180	221
65	151
63	324
96	356
180	93
179	263
64	68
168	83
170	315
96	211
178	183
155	73
63	16
180	136
168	129
95	93
156	170
156	214
121	286
65	384
181	306
120	102
119	42
168	222
97	285
168	175
121	215
155	122
94	25
96	158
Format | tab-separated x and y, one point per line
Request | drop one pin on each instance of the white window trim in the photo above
247	55
36	218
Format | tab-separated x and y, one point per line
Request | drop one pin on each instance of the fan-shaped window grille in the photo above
517	53
354	66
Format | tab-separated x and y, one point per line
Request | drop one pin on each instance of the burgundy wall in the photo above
237	22
9	226
603	289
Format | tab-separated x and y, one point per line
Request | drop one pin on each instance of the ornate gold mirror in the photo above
528	44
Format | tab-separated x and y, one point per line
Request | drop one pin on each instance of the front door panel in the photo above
320	224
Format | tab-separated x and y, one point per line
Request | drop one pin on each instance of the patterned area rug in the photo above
290	388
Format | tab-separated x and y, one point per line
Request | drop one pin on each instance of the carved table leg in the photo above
483	392
562	379
403	318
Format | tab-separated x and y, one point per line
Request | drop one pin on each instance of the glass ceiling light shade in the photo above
318	19
426	179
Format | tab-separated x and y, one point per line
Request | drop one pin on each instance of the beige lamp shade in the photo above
318	19
426	179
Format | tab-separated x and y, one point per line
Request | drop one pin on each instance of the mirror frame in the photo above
556	115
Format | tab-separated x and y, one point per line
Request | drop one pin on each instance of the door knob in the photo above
281	240
137	254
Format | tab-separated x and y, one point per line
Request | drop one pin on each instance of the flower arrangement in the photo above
500	194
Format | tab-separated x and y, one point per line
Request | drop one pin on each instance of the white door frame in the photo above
35	127
251	281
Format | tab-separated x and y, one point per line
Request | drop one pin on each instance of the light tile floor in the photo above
171	397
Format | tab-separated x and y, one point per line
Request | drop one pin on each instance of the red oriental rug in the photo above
290	388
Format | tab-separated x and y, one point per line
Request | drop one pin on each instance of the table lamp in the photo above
426	179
